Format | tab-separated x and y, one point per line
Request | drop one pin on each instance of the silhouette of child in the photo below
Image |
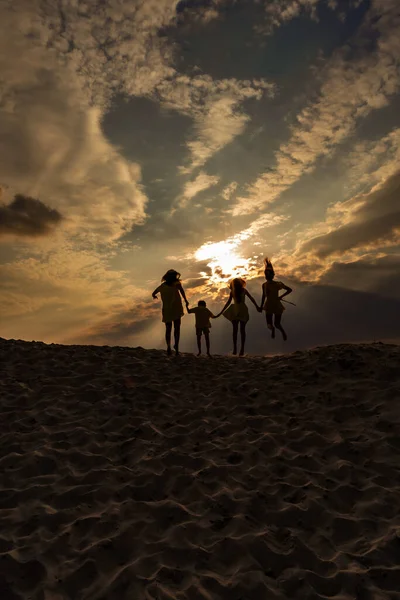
271	300
171	291
238	311
203	325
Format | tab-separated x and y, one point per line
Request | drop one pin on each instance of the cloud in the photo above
225	259
214	105
229	190
277	13
371	162
69	277
353	86
280	12
51	141
370	274
201	183
26	216
370	219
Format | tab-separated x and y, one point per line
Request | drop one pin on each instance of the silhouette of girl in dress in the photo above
238	313
171	291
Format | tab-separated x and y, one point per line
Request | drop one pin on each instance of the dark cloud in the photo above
377	218
29	217
191	284
378	275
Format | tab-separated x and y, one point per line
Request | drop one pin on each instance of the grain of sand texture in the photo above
127	474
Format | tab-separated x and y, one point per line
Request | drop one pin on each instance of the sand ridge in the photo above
127	474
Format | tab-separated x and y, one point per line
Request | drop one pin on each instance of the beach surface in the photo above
128	474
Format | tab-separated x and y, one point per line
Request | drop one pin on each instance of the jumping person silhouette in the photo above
171	291
271	301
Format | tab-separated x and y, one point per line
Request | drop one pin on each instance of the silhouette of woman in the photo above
171	291
238	311
271	301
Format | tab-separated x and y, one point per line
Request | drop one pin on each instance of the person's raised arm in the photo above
227	303
154	294
252	300
288	291
182	291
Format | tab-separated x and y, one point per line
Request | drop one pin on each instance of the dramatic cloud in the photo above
25	216
373	219
375	275
352	88
51	141
116	114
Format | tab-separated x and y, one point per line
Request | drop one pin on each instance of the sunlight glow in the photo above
225	261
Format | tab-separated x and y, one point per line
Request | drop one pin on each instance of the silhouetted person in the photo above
238	311
171	291
203	325
271	300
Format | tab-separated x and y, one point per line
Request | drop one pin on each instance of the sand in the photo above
127	474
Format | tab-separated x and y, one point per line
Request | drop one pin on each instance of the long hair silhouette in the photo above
237	286
171	277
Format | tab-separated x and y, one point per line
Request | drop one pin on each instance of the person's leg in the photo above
235	325
168	329
177	334
242	337
278	325
270	325
198	336
207	338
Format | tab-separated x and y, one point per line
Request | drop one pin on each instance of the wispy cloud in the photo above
352	88
229	190
371	162
214	106
364	227
279	12
202	182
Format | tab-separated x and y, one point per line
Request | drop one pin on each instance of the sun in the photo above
224	259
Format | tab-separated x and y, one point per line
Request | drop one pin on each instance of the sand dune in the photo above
127	474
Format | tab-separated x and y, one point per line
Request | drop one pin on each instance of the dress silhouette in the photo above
238	311
172	307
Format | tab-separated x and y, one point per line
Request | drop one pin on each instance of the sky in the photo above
201	135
